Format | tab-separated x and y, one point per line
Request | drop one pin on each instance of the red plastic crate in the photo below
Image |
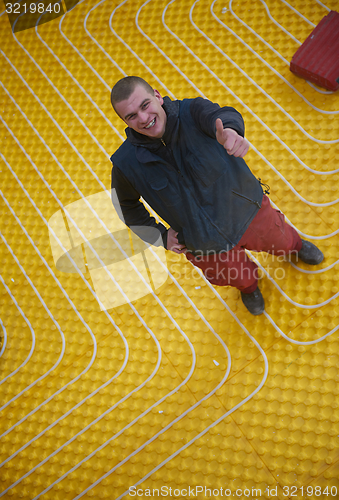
317	60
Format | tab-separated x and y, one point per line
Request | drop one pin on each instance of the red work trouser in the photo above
268	232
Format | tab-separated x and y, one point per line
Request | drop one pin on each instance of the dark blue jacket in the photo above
191	182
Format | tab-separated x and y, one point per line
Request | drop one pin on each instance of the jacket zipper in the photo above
164	143
248	199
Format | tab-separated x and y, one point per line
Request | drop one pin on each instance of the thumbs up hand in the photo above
233	142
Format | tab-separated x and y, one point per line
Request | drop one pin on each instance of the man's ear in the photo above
158	96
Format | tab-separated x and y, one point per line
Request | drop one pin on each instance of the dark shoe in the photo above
310	254
254	302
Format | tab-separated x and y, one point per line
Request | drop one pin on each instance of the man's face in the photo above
143	112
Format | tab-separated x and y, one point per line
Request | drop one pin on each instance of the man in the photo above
185	158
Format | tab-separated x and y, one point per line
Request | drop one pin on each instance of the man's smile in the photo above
151	124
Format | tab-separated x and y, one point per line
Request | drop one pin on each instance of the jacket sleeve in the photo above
205	113
126	201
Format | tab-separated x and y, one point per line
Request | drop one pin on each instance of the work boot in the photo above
310	254
254	302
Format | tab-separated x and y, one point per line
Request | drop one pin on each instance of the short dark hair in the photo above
125	87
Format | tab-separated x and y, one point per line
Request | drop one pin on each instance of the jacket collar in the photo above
172	124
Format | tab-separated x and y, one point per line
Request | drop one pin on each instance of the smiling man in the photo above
144	112
185	158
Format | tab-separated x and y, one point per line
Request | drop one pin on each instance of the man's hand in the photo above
173	243
233	142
